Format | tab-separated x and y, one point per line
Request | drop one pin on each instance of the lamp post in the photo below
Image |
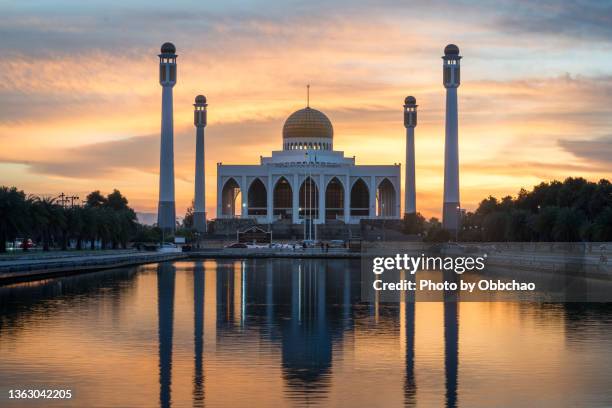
458	224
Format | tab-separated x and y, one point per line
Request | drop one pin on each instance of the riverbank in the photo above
314	253
37	266
590	260
29	268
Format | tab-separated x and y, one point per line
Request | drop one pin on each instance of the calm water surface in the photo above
291	333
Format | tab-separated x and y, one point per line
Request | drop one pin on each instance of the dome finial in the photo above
308	95
168	48
451	50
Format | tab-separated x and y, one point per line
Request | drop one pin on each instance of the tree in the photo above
495	226
520	226
487	206
188	219
545	222
568	225
95	199
13	214
434	232
90	225
47	218
147	234
414	223
73	226
602	227
116	201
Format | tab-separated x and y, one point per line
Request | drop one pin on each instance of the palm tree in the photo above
47	218
90	225
13	214
73	227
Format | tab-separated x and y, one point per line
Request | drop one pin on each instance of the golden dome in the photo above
307	123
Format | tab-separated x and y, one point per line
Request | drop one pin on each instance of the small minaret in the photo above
199	205
450	210
410	122
166	212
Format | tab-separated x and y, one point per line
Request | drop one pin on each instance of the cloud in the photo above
597	150
80	101
580	20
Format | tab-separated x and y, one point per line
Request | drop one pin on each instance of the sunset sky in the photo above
80	100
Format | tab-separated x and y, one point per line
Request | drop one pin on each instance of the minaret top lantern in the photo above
199	111
451	58
167	65
410	112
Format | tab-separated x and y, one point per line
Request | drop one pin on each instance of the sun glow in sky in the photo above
80	101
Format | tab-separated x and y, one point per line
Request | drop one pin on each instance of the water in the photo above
290	333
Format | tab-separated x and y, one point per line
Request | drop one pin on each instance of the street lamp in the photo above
458	224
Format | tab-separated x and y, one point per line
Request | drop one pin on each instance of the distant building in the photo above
308	182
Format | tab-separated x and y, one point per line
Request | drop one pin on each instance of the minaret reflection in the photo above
451	342
269	295
226	273
165	312
409	381
198	334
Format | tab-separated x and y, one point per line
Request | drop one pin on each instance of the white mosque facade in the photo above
308	181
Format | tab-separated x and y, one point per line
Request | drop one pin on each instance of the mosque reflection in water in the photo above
293	332
305	308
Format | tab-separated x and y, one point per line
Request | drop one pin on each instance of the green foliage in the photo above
602	227
147	234
108	219
13	214
572	210
414	224
434	231
188	219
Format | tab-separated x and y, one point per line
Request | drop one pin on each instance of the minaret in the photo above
166	213
450	210
199	206
410	122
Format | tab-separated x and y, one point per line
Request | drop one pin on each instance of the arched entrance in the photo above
257	199
334	200
360	199
385	199
229	198
283	199
309	200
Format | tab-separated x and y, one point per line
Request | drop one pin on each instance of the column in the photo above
372	196
409	182
322	199
245	196
295	189
219	192
270	200
347	199
199	210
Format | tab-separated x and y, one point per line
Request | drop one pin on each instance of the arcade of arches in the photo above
311	203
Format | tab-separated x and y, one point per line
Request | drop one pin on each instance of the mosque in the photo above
307	183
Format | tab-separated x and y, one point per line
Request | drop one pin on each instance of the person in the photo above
322	245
